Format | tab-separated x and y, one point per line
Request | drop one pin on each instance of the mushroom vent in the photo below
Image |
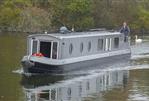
64	30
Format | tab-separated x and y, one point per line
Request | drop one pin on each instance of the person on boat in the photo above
125	30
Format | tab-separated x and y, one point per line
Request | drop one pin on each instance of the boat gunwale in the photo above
75	59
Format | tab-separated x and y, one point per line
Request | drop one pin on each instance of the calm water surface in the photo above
128	83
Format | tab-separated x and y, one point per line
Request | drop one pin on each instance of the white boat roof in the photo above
79	34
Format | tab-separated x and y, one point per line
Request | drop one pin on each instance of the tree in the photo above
40	15
34	19
102	13
10	13
79	14
21	15
143	19
72	13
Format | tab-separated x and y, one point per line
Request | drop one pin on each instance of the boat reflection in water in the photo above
75	89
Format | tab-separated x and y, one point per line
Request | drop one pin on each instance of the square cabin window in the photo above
100	44
116	42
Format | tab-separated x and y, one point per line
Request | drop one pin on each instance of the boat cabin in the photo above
75	44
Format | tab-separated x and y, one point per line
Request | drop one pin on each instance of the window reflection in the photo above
78	89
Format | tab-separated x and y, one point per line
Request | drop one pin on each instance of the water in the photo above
128	83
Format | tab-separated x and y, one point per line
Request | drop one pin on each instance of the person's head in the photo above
124	24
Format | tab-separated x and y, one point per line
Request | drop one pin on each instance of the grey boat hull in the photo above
100	63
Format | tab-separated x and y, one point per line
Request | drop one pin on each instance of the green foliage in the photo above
143	20
79	14
40	15
34	19
79	7
10	13
9	17
20	15
72	13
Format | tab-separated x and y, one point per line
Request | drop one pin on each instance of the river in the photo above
128	83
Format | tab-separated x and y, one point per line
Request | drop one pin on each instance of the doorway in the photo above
45	49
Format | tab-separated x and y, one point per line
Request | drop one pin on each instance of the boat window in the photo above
45	48
125	39
69	91
44	95
80	89
34	46
81	47
70	48
89	46
87	85
100	44
54	51
53	94
116	42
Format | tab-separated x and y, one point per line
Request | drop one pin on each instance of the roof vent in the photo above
64	30
45	32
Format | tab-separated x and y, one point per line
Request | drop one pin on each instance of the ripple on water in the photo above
138	97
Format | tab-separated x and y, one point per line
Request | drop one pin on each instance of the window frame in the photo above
70	48
51	57
89	46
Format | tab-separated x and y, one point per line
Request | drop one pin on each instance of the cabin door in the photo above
45	48
49	49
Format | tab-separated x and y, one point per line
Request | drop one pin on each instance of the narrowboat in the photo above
63	52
